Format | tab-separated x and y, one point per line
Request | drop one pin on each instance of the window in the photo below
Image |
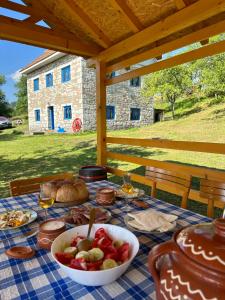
67	112
49	79
37	115
110	112
113	74
36	84
65	73
135	81
135	114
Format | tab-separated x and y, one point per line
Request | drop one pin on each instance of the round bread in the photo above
67	193
83	193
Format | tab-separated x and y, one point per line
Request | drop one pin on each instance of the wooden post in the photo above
101	113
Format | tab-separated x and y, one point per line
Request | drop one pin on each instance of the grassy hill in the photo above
29	156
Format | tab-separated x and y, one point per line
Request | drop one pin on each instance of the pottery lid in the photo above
20	252
205	244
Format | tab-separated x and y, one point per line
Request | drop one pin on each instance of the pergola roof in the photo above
114	30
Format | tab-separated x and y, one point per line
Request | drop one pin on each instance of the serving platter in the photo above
156	232
102	210
32	217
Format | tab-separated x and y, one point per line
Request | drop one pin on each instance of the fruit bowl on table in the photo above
100	277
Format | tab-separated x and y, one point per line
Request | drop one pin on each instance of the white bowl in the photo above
102	277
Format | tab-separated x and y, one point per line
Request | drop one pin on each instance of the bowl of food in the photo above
113	249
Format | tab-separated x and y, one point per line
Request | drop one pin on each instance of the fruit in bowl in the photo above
113	250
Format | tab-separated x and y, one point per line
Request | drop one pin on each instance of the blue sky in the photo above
13	57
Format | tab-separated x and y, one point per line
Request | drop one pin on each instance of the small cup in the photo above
105	196
48	231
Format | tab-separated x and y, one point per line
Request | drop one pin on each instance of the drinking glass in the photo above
128	190
45	201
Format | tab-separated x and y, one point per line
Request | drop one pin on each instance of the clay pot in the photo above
192	265
105	196
48	231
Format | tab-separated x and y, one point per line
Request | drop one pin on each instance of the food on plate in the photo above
14	218
141	204
105	253
150	220
67	190
80	216
136	193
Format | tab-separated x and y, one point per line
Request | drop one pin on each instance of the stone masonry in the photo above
79	92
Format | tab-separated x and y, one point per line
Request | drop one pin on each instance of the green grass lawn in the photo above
23	156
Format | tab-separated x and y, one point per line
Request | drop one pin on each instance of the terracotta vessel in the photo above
192	265
48	231
105	196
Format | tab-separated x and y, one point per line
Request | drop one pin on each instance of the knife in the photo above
27	234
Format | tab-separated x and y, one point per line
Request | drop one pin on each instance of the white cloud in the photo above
16	75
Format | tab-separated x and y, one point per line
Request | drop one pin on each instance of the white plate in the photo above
128	218
120	194
33	216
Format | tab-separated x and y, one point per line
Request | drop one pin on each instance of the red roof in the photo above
46	54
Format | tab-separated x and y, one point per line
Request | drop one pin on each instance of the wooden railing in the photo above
201	172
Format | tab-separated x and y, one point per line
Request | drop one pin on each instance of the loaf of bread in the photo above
67	190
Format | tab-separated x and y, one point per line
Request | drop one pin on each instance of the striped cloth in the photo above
41	278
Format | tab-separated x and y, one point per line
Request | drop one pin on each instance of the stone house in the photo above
61	89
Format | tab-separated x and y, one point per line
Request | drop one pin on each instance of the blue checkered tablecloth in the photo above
41	278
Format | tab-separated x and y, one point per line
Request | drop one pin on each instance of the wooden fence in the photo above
200	172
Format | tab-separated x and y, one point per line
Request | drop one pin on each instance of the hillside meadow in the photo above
23	156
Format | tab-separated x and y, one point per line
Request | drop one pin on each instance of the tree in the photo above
170	84
5	109
21	94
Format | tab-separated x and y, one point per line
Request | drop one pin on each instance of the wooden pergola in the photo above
116	34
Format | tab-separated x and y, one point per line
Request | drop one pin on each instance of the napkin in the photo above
150	220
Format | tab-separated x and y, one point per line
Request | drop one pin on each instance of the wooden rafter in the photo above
16	7
193	37
202	52
132	21
195	13
180	4
87	22
18	31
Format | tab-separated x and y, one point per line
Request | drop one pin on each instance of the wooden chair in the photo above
173	182
31	185
212	190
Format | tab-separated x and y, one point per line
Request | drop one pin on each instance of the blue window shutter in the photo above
49	80
37	115
65	74
135	114
135	81
36	84
110	112
67	112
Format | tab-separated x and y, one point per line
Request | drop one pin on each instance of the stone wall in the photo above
121	95
80	93
59	95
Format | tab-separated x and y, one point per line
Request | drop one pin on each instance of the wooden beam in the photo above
202	52
218	148
101	113
16	7
17	31
186	40
195	171
204	42
127	14
180	4
190	15
87	22
32	19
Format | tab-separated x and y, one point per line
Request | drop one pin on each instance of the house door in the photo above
51	124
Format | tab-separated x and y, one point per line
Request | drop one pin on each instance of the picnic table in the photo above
41	277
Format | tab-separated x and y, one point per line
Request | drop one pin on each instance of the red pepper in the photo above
78	263
100	233
123	252
76	240
111	252
104	243
94	266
